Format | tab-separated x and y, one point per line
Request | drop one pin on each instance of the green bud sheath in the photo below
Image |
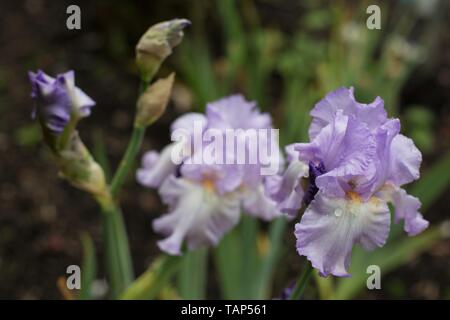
157	44
79	168
153	101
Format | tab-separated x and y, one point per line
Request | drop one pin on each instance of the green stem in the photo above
269	262
302	282
118	257
228	264
128	159
249	257
130	154
151	282
89	267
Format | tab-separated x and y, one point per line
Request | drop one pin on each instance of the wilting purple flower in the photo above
58	99
205	200
359	161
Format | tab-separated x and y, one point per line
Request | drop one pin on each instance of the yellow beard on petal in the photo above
208	184
354	197
356	203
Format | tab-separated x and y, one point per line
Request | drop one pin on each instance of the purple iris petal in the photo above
345	147
331	226
234	112
407	208
197	214
286	189
343	100
257	204
188	122
405	160
156	167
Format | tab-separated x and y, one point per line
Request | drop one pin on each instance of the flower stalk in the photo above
302	282
118	257
152	281
151	104
126	163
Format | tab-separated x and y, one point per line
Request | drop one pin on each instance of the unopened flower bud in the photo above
79	168
153	101
58	103
157	44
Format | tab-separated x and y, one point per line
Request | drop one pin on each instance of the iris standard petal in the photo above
343	99
405	160
234	112
346	147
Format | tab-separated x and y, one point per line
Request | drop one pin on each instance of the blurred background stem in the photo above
192	274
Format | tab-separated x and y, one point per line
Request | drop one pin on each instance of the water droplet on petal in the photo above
338	212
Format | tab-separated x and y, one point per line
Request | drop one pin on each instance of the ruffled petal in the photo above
407	209
405	161
286	190
234	112
343	99
331	226
189	121
156	167
379	168
346	148
257	204
197	215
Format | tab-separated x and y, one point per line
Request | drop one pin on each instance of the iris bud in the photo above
157	44
153	101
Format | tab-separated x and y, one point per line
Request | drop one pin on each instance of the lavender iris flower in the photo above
58	99
358	161
205	200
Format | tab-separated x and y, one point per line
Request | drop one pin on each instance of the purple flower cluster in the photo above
356	162
205	200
